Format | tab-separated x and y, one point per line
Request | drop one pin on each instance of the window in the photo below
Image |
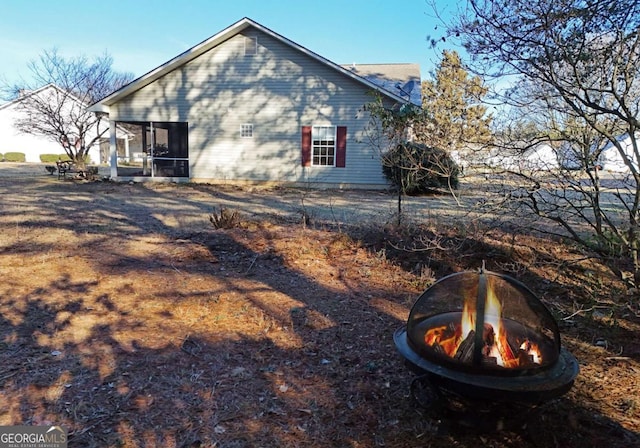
250	45
246	130
323	145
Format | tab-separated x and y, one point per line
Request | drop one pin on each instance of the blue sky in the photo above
142	34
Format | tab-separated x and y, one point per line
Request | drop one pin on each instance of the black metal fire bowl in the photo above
530	388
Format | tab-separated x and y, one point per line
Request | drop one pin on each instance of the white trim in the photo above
217	39
42	89
335	146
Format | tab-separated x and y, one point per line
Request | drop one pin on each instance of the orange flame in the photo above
448	338
493	316
468	322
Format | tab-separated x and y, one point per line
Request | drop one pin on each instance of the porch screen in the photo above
169	148
157	149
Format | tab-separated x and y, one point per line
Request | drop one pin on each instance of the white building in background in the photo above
32	145
542	157
545	157
612	160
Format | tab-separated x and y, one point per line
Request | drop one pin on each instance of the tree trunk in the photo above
80	158
400	193
596	202
634	246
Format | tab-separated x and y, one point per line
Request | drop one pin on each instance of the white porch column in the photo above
127	150
113	150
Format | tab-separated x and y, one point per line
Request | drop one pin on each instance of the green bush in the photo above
52	158
418	168
1	158
15	157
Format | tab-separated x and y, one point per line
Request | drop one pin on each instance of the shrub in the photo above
418	168
51	158
1	158
15	157
64	157
226	219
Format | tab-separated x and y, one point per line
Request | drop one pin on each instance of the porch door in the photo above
155	149
169	149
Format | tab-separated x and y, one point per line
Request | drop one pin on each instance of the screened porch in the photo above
153	149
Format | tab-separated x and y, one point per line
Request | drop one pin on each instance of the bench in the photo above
64	167
68	167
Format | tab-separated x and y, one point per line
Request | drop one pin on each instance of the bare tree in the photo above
54	102
572	65
395	132
416	144
388	130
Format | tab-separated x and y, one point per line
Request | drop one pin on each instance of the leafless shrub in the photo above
225	219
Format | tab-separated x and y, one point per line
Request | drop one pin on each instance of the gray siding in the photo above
278	90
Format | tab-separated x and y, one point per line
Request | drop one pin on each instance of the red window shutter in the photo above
341	147
306	145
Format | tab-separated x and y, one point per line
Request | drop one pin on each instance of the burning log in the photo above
490	361
525	359
500	347
438	349
465	350
497	350
446	337
489	339
488	335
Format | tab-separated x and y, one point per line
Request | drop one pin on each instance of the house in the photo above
33	144
570	156
249	105
611	159
401	79
605	154
541	157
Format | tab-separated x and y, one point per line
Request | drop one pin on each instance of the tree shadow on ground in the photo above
240	392
221	338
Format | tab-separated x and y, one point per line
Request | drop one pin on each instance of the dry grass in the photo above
131	327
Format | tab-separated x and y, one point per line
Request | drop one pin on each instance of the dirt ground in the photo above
128	318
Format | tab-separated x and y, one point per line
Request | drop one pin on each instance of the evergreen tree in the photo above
454	100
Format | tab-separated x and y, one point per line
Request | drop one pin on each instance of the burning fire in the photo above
458	340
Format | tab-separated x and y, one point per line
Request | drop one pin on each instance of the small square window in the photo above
246	131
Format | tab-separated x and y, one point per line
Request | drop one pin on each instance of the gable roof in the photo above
402	79
52	86
206	45
31	93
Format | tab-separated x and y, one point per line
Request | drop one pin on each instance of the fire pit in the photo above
485	336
